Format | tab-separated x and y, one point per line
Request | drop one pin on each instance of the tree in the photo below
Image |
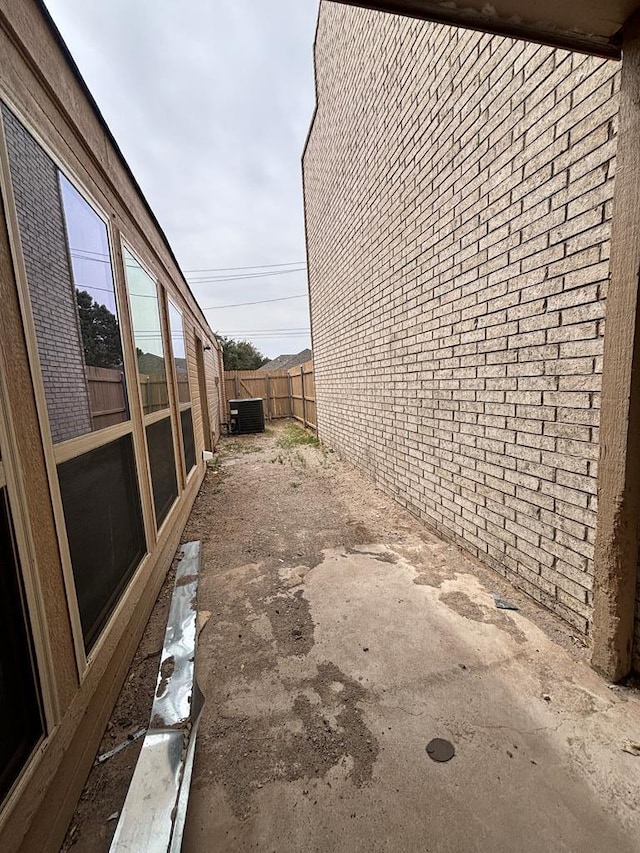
100	332
240	355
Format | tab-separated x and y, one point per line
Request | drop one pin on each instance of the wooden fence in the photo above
107	398
286	393
154	392
303	394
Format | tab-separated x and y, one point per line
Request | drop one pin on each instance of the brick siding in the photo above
458	191
34	178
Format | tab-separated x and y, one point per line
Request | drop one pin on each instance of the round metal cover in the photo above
439	749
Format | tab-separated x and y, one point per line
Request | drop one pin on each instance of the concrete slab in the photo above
328	671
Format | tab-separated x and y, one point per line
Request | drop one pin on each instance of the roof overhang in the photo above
587	26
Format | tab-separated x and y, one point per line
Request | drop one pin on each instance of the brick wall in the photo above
458	193
34	178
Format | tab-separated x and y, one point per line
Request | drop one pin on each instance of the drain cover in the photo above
439	749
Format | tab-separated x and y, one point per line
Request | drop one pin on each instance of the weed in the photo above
295	484
235	446
294	436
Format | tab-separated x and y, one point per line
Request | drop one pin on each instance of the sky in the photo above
210	102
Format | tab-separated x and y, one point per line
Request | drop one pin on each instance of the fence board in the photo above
272	387
303	401
281	390
107	398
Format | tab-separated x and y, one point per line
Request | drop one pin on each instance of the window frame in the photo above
55	454
63	451
170	410
182	407
112	243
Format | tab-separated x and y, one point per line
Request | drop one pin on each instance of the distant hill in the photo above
284	362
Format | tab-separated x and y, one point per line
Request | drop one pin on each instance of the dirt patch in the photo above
267	537
462	604
305	741
186	580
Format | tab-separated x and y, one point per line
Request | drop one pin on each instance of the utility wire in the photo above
212	279
104	258
261	331
258	302
256	267
276	336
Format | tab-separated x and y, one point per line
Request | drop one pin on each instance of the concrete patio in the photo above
341	638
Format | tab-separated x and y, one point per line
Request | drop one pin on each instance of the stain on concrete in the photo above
460	602
380	556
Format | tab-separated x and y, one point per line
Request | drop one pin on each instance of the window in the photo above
97	309
147	331
74	305
163	469
103	516
179	353
21	719
152	375
65	245
188	443
176	327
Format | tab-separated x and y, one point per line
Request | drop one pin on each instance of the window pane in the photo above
187	440
20	716
97	309
103	518
179	353
147	331
72	297
163	468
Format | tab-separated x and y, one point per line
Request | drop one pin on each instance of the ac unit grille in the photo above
247	415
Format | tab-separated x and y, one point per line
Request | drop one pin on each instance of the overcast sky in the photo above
210	102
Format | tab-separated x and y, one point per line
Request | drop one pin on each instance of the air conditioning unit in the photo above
246	416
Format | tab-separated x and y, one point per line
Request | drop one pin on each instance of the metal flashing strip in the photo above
154	812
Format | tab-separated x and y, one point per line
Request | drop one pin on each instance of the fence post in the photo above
237	386
304	401
268	396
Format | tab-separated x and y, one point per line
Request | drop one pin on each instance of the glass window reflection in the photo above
90	258
147	332
179	353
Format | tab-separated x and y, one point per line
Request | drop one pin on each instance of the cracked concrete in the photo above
343	637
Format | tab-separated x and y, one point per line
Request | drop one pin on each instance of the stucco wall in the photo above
458	195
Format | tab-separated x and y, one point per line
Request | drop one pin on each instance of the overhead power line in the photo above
212	279
256	267
274	336
258	302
